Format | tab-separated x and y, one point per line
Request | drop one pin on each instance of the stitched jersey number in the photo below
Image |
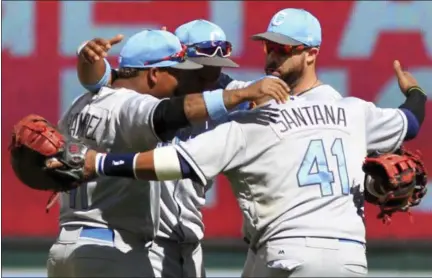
316	157
81	193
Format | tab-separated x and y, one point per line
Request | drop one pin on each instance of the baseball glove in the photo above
394	181
34	140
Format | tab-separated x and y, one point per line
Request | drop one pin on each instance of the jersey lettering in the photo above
84	125
314	169
312	115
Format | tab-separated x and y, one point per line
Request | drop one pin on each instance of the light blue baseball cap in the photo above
155	49
293	27
199	31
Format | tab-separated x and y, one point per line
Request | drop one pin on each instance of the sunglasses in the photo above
210	49
270	47
177	57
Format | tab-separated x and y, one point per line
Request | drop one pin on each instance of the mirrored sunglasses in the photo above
210	49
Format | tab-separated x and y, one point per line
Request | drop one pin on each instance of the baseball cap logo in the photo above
215	35
278	18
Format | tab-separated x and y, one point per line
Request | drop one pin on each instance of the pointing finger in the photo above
398	69
115	40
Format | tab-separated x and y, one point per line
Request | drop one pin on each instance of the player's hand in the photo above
98	48
405	79
263	115
74	162
267	87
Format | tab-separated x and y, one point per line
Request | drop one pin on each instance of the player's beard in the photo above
292	76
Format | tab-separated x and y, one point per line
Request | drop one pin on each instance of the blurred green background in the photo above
401	259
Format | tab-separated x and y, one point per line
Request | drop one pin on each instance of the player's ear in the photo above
153	74
311	55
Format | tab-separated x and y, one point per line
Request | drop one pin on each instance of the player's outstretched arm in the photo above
93	69
134	165
200	159
178	112
387	129
143	120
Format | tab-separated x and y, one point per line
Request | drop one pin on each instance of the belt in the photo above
351	240
104	234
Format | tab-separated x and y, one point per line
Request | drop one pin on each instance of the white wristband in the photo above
166	163
99	160
80	47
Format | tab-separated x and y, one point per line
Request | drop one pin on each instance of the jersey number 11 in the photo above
316	157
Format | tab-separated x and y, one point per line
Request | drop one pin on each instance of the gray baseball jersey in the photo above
298	177
182	200
113	120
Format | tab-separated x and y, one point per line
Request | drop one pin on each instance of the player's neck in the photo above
131	84
306	82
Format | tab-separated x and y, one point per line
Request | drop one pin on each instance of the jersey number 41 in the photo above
314	169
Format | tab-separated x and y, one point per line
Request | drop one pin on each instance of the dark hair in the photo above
127	72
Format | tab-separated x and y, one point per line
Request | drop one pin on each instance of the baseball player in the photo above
176	251
176	248
105	228
300	214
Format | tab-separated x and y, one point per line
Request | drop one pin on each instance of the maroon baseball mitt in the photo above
395	181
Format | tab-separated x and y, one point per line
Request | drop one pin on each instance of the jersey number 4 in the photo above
314	169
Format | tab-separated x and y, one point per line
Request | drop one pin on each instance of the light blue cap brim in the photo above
186	65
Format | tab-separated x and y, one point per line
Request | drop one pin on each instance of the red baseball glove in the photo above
394	181
34	140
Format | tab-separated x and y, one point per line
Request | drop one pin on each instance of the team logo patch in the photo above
279	18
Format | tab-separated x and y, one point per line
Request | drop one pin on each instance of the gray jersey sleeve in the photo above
135	120
385	128
215	151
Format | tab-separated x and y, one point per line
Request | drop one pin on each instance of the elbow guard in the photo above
414	109
168	117
416	103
